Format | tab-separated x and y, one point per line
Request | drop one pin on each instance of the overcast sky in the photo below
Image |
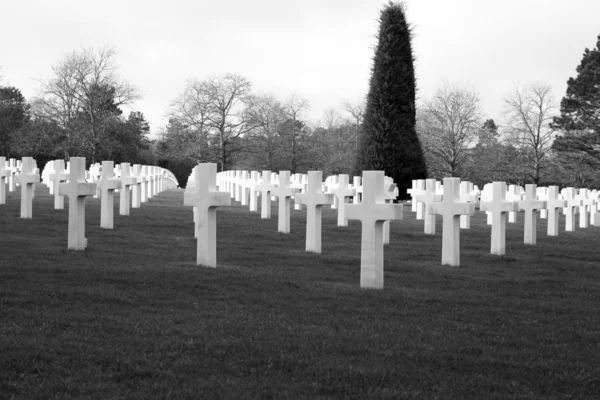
320	49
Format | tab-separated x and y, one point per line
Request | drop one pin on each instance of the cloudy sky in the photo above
320	49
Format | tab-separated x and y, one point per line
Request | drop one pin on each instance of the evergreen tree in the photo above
485	156
579	118
126	139
389	139
488	134
14	114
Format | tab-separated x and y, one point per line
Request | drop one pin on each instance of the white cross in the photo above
4	174
136	193
428	197
594	215
76	190
553	205
59	175
127	181
243	188
265	188
231	183
498	207
469	195
391	193
418	187
12	167
450	208
591	202
95	172
223	181
145	184
420	206
297	183
150	182
205	199
542	194
314	199
332	182
342	192
237	180
571	208
253	186
46	172
372	212
584	208
513	195
275	181
156	175
284	193
27	178
160	178
107	184
531	204
486	195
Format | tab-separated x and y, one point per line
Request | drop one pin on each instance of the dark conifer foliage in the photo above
14	113
579	120
389	140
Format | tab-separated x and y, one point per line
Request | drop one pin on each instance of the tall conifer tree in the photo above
389	140
579	119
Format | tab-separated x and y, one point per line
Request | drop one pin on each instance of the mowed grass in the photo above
134	317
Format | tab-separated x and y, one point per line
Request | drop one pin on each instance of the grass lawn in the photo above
134	317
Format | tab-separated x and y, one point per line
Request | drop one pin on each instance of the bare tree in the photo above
331	118
266	114
187	132
217	110
84	84
294	107
333	145
528	114
357	112
447	126
180	142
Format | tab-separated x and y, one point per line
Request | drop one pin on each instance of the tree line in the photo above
77	113
221	119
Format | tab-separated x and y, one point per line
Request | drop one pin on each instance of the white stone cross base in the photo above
127	182
77	189
530	204
314	200
450	208
205	199
56	177
427	198
553	205
498	207
284	193
265	189
342	193
27	179
372	212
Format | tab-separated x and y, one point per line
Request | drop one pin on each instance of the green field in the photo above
134	317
